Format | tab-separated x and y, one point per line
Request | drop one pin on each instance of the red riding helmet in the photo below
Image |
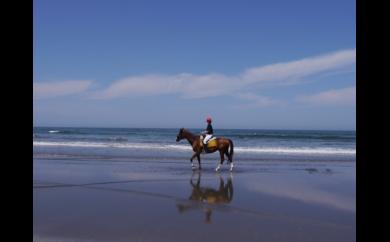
208	120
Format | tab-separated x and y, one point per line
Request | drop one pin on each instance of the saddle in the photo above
210	145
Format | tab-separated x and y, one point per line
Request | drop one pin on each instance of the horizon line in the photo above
108	127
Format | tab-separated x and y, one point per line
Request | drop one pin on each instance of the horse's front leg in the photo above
192	164
198	156
221	162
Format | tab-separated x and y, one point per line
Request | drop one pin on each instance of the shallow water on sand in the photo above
85	200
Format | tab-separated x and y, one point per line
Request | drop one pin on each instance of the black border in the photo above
370	131
17	163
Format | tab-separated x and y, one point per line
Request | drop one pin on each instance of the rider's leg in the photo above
206	139
201	141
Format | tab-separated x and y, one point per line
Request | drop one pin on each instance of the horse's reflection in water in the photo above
205	198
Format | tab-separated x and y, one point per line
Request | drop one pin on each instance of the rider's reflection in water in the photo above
208	196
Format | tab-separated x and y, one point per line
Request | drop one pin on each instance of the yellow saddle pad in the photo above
212	144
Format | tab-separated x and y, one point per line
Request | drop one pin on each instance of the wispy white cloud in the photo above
63	88
344	96
214	84
136	85
186	84
295	70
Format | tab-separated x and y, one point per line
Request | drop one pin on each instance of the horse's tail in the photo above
231	150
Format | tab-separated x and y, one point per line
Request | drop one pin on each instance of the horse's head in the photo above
180	135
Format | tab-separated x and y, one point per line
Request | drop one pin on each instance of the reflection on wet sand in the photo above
204	198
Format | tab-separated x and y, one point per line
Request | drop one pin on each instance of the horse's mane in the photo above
187	131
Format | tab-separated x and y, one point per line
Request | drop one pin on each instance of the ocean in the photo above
250	145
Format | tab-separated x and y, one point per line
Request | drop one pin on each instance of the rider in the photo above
208	132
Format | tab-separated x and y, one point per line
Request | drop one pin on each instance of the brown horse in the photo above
223	145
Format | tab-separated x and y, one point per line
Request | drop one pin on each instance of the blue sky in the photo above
248	64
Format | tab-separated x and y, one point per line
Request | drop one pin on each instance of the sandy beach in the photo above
151	200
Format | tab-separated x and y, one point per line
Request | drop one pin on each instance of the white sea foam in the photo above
54	131
154	146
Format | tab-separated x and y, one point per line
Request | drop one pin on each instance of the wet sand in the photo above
151	200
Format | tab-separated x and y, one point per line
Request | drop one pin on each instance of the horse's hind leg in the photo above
229	159
228	156
221	162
